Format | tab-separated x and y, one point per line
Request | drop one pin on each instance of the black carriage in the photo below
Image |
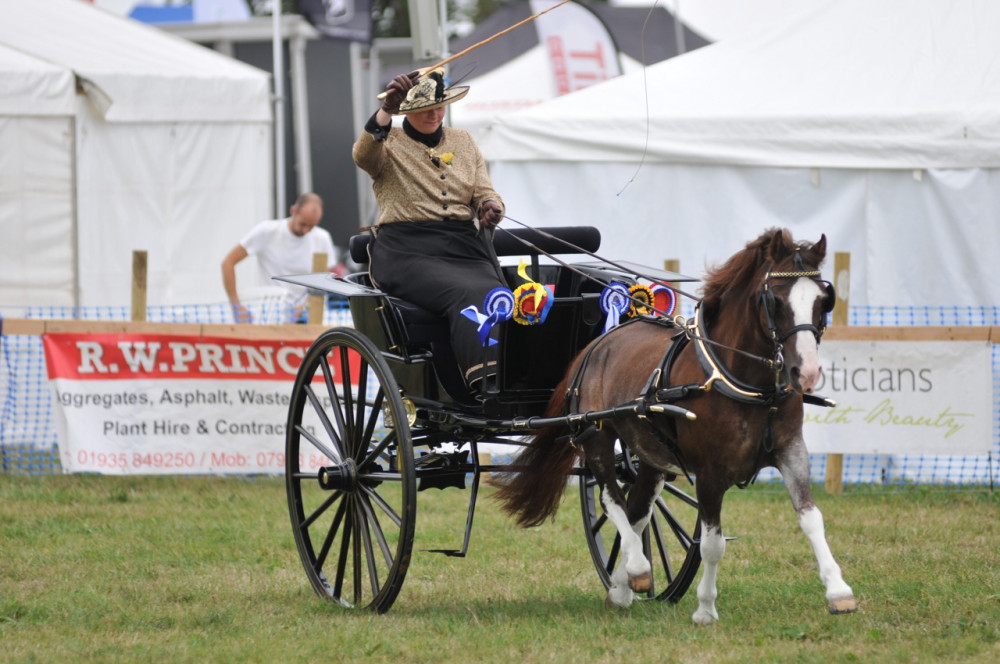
379	413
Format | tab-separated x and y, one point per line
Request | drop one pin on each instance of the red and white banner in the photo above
162	404
903	397
579	45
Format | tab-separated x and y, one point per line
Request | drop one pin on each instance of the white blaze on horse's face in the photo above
802	299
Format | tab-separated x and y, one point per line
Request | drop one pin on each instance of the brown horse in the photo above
741	367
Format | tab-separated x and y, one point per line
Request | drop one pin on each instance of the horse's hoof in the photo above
611	606
704	618
640	583
843	605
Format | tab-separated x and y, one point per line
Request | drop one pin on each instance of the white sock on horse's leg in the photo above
713	547
633	559
838	593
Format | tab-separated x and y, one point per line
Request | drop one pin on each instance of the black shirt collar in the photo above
430	140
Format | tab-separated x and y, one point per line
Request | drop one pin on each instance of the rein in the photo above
777	363
581	250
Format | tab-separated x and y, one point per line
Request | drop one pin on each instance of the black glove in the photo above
396	92
490	214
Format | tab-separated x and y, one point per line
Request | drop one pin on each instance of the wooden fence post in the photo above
673	265
317	302
834	481
139	285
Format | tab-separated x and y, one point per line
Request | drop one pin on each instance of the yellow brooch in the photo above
438	159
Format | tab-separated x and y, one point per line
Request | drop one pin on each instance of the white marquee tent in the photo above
114	137
877	123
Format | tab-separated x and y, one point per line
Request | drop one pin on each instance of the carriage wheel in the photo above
670	541
349	472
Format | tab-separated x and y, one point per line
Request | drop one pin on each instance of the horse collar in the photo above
718	376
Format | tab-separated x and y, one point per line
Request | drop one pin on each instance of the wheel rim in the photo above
349	473
670	541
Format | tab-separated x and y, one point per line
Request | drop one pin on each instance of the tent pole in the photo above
279	112
300	113
679	29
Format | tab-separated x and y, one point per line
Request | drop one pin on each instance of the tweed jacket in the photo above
415	183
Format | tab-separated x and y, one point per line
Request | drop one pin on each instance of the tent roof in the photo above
134	72
851	84
34	87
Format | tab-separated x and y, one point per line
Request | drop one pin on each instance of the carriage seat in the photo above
420	326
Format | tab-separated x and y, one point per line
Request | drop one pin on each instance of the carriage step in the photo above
451	553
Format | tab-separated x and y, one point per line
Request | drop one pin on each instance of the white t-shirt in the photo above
281	252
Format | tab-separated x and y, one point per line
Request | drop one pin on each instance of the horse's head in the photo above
776	282
794	302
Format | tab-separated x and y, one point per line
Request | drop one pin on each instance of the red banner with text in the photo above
164	404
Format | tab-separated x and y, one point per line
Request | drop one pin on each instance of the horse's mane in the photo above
738	279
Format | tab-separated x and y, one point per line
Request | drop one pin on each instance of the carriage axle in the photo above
342	477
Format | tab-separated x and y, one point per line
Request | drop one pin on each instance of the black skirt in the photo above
444	267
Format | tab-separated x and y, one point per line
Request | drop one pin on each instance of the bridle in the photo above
768	304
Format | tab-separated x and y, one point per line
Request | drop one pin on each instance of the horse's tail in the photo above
532	495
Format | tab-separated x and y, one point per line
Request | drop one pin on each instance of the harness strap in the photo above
722	380
666	432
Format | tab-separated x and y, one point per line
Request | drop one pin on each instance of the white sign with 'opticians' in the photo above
903	397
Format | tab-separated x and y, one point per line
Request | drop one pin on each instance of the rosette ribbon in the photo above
532	300
641	300
532	303
614	303
664	299
498	306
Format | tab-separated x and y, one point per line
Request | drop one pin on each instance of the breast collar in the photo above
719	377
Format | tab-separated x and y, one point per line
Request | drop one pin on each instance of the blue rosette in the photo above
614	303
497	307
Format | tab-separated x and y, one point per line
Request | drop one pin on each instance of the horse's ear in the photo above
776	244
819	249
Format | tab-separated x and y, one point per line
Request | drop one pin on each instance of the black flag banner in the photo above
340	19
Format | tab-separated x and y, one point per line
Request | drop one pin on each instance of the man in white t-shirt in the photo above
282	246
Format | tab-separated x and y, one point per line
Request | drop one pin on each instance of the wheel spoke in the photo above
679	531
366	527
329	453
599	523
331	390
331	534
359	416
356	551
316	513
348	407
375	452
661	547
345	544
373	415
613	555
386	507
680	494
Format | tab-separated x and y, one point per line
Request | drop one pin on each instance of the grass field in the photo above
204	569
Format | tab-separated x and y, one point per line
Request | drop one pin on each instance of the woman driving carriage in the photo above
432	242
